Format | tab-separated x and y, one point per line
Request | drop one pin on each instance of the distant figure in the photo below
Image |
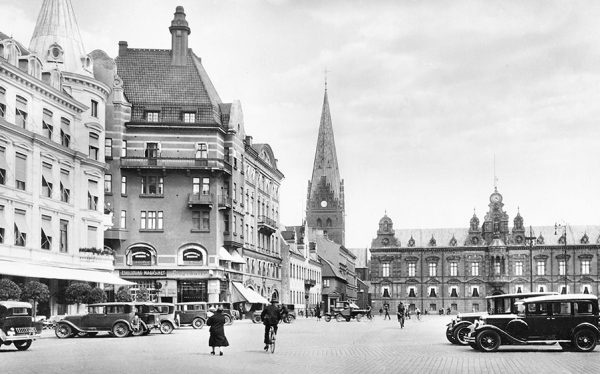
418	312
369	315
380	311
386	308
318	312
401	311
241	311
448	311
217	331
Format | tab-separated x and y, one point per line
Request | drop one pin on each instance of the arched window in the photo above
319	222
141	256
328	222
192	256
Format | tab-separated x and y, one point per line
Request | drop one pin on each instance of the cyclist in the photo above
270	317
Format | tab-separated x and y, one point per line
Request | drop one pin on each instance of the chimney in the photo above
248	140
122	48
312	246
179	37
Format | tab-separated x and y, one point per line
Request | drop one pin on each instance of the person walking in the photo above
318	312
386	308
401	312
418	312
217	330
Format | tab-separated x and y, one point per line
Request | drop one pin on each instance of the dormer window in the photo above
55	53
188	117
152	116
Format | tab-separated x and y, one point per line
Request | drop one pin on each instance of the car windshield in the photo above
20	312
520	309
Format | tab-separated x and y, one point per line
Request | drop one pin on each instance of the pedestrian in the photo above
401	311
241	308
217	331
318	312
386	308
448	311
380	311
418	312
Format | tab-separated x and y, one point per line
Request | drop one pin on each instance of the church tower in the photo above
325	197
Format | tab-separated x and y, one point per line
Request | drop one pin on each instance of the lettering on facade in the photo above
143	273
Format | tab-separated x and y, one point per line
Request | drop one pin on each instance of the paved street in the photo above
305	346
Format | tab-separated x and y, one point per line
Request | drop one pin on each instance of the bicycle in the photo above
272	336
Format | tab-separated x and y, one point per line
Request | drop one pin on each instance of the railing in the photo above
225	201
232	239
175	163
266	221
200	199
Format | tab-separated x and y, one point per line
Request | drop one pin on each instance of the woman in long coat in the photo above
217	332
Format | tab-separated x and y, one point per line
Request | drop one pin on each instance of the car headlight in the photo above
11	332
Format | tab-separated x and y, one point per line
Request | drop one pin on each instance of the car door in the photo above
539	321
562	313
95	318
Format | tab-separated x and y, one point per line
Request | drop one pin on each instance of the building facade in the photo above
435	269
188	189
52	126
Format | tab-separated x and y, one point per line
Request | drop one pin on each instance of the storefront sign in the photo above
143	273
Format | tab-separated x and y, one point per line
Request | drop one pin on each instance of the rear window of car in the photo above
20	312
561	309
584	307
540	309
96	310
116	309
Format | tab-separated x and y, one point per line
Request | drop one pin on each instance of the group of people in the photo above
402	313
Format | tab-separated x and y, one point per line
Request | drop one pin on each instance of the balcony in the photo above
225	202
185	163
233	240
197	200
116	234
266	225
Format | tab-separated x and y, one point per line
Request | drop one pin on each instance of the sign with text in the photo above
143	273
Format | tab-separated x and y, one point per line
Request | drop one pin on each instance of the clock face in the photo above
385	241
495	198
324	204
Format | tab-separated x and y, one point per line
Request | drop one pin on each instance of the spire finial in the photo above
325	72
495	177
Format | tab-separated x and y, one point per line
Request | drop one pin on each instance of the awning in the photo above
54	272
224	255
245	294
237	258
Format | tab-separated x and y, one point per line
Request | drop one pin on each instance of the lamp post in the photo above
531	238
564	228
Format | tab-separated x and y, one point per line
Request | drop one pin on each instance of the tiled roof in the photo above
329	270
149	78
24	51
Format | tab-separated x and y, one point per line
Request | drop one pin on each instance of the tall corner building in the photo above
325	197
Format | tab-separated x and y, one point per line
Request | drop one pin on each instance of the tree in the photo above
123	295
77	293
9	290
142	295
96	295
35	292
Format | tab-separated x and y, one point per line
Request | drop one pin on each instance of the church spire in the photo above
56	39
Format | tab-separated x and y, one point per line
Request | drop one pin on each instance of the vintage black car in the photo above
345	311
192	313
154	316
570	320
17	326
458	328
118	318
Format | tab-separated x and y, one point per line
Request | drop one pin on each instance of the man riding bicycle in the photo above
270	317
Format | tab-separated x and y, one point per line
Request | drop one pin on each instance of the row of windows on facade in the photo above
185	116
48	125
299	297
453	291
300	272
21	231
47	180
585	266
262	268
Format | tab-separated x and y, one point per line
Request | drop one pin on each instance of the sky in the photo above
429	99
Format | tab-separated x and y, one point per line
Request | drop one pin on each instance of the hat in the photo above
274	300
212	309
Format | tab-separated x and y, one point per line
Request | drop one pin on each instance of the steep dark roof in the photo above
24	51
149	78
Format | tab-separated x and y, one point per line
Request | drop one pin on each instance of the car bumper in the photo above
19	337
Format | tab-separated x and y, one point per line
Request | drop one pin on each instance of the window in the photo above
92	236
21	112
92	195
585	267
192	257
432	292
201	220
108	148
94	109
561	267
21	171
124	148
432	269
123	185
152	185
542	289
46	231
497	267
385	291
141	256
412	269
20	228
64	244
151	220
189	117
454	269
518	288
234	191
2	102
475	269
47	128
152	150
385	271
108	183
94	147
65	132
453	292
46	179
519	268
205	186
412	292
325	282
152	116
475	291
475	307
201	150
563	290
123	222
65	186
3	165
541	268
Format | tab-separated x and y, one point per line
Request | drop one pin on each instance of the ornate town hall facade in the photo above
436	269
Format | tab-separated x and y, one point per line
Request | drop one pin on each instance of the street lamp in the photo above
564	228
531	238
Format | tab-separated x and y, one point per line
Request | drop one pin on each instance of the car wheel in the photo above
255	319
327	318
461	334
339	318
228	320
22	345
166	328
584	340
198	323
121	330
488	341
63	330
139	331
450	336
358	317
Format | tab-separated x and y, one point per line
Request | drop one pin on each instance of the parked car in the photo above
191	313
117	318
569	320
288	317
17	326
156	315
345	310
229	311
458	328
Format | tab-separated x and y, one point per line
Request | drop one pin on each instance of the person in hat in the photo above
217	331
270	317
